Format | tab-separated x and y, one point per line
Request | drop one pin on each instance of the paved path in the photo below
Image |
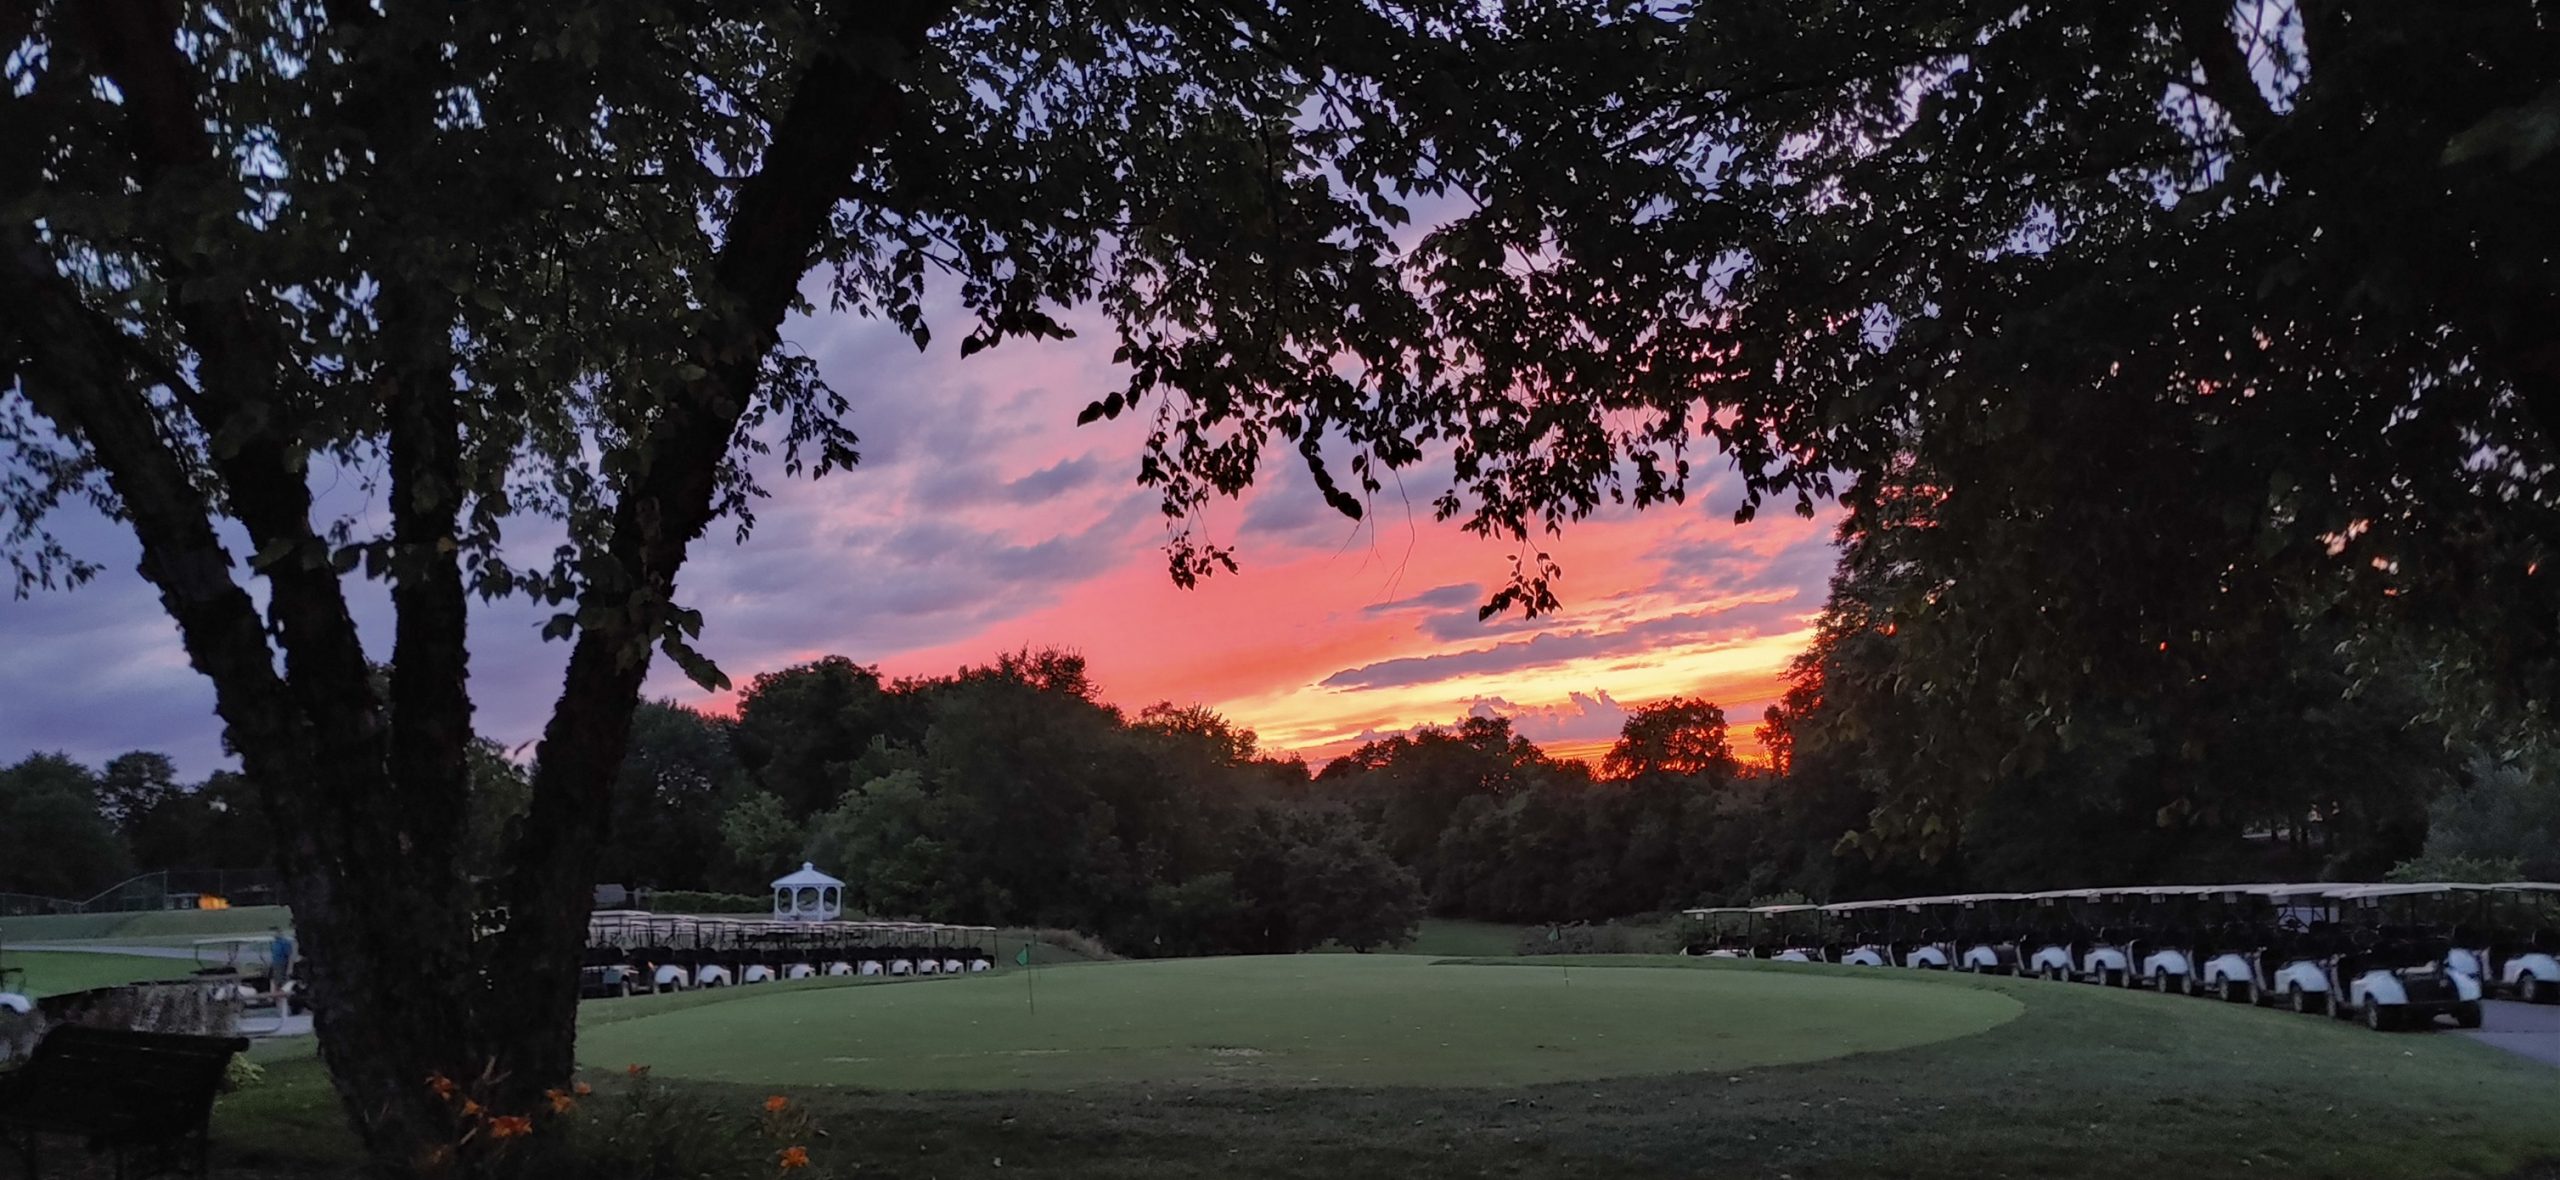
2532	1030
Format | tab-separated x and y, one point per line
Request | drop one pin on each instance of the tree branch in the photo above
63	365
840	114
2205	27
241	361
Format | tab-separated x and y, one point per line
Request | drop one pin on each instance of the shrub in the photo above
686	901
1069	944
241	1074
1612	939
645	1131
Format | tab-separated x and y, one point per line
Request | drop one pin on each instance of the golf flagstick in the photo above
1556	935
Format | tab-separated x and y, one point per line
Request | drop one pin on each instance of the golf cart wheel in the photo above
2379	1018
2467	1016
2165	983
2307	1002
2255	995
2531	991
625	989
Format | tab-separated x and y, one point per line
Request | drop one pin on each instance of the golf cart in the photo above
2080	937
1926	929
2284	940
2395	975
1788	933
1723	933
2522	954
1864	925
1987	932
2172	923
606	967
238	970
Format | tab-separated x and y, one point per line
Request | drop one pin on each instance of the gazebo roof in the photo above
808	875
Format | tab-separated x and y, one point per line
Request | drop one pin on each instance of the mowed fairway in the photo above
53	973
1304	1020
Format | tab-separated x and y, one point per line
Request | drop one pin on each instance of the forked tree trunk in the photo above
367	789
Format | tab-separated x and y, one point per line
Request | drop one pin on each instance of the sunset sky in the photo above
982	519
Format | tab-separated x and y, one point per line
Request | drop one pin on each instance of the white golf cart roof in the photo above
2526	886
2074	894
1842	907
2405	889
1716	909
1783	909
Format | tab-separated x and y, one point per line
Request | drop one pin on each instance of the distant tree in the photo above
132	784
2503	819
1232	743
1307	877
1201	916
666	799
1677	736
53	841
501	792
800	728
236	835
762	841
891	840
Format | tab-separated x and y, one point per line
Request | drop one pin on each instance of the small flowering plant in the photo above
644	1130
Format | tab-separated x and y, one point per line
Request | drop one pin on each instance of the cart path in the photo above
96	948
2530	1030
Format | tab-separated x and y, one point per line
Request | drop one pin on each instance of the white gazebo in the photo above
807	896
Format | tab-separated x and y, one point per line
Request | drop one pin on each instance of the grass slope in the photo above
1309	1020
145	927
2087	1082
51	974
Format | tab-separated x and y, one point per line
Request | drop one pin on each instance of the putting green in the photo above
1296	1020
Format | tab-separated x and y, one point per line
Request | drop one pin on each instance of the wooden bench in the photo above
150	1093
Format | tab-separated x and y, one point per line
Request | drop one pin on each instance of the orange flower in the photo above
560	1101
637	1071
794	1157
470	1109
583	1089
442	1085
775	1104
508	1126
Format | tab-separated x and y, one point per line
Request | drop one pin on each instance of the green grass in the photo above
2085	1082
53	973
1311	1020
1460	938
145	927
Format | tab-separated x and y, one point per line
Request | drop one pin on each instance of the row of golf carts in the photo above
2392	956
634	952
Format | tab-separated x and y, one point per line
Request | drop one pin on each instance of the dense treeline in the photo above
1010	794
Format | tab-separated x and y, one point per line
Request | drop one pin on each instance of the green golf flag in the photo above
1024	955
